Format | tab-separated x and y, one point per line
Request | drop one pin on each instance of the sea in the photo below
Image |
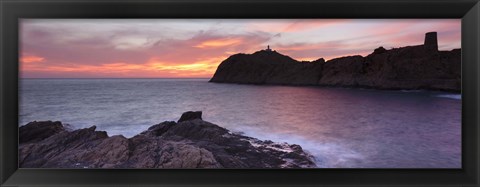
340	127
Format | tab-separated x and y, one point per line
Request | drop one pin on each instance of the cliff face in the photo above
411	67
188	143
267	67
402	68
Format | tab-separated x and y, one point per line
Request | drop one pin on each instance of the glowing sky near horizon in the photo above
193	48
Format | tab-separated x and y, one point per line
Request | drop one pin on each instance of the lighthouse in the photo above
268	48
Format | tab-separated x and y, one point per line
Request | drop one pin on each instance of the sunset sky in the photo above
193	48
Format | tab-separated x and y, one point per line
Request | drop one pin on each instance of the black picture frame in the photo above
12	10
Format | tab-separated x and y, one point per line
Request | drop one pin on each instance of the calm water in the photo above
346	128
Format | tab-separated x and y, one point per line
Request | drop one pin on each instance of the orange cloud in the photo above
31	59
307	58
197	54
154	67
219	42
205	65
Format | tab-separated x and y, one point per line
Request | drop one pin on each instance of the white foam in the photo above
451	96
283	147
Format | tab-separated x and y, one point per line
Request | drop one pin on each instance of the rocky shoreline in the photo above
189	143
421	67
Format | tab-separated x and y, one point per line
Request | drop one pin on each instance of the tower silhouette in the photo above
431	43
268	48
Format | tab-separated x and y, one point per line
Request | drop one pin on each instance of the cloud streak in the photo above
194	48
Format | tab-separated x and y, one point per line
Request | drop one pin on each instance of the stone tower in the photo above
431	43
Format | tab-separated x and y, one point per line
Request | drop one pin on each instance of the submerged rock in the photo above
191	143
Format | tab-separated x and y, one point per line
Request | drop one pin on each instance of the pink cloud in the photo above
197	56
31	59
132	52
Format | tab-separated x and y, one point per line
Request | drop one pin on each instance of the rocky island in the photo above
408	68
189	143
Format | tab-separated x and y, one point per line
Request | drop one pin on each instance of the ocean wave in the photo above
451	96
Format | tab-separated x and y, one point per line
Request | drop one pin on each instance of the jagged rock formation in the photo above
411	67
191	143
190	116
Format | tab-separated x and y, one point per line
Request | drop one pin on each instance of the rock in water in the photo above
411	67
190	143
267	67
190	115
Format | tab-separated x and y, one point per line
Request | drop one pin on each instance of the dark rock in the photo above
159	129
379	50
411	67
342	71
64	149
37	131
191	143
267	67
190	115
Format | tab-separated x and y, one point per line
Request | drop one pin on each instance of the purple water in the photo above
342	128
